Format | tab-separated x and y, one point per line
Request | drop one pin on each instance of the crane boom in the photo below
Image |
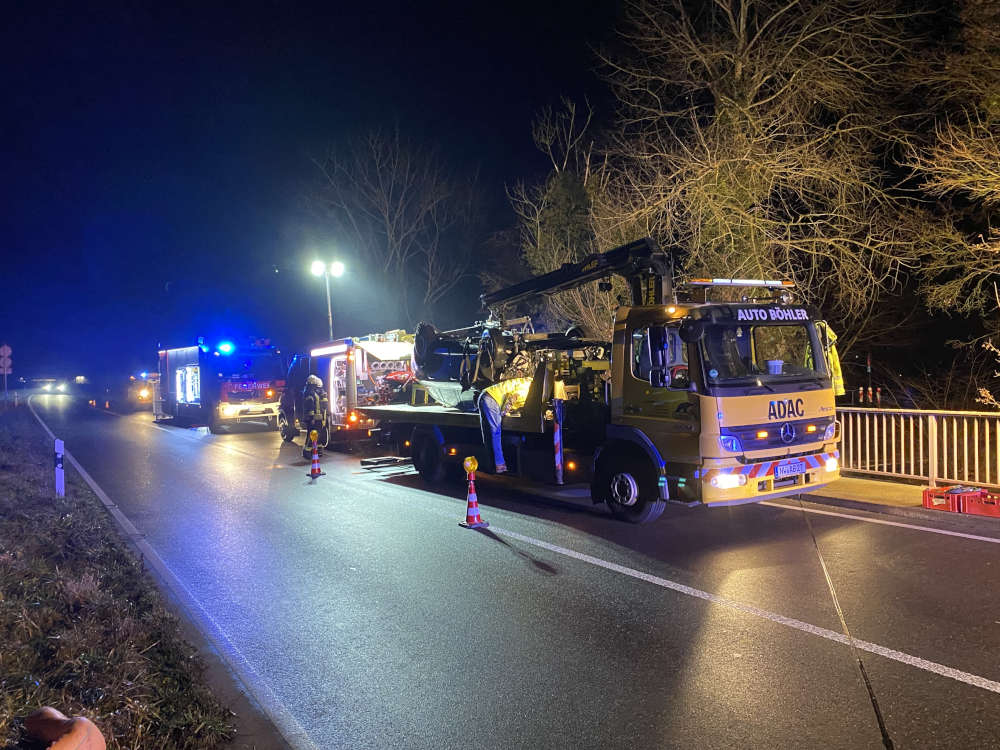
637	262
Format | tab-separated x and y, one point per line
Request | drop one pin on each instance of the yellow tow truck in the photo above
693	401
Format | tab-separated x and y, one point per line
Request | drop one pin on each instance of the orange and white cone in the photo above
315	471
472	519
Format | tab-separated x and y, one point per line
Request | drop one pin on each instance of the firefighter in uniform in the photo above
315	407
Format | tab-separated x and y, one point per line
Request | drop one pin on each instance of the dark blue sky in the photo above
158	155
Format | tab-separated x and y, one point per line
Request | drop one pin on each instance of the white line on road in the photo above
805	627
930	529
287	724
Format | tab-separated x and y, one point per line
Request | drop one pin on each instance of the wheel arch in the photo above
623	439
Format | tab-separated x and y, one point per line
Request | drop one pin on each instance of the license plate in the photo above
790	469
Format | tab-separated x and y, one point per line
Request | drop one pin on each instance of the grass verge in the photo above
82	626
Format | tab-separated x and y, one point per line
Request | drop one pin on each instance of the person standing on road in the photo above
495	402
315	406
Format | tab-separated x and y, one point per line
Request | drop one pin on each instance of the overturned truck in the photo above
693	401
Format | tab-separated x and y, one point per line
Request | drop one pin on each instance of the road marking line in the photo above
293	732
830	635
931	529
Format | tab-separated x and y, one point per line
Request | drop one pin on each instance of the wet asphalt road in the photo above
367	618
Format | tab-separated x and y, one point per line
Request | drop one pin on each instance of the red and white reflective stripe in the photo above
766	468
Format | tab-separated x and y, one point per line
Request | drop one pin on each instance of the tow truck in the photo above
694	401
220	386
357	370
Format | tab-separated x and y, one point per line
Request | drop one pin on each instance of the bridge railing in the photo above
937	446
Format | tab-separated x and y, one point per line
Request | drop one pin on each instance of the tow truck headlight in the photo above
832	464
731	443
831	431
728	481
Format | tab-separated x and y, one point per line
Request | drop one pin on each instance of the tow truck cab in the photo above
732	402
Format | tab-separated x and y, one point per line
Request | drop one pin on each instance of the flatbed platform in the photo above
445	416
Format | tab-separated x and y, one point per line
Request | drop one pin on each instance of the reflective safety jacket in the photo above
314	405
832	357
511	394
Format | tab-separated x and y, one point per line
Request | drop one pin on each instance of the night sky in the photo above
158	158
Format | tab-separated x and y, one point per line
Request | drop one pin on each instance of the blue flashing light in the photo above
731	443
226	347
143	374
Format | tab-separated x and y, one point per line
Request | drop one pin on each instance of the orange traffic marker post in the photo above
314	470
472	519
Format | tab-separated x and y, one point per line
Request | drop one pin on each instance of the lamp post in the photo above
319	268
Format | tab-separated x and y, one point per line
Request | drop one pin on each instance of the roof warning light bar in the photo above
740	282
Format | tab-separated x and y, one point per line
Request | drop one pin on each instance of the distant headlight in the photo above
61	387
144	393
47	387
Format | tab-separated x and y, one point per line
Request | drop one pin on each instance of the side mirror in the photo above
659	378
692	331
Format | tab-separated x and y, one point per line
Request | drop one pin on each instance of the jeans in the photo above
490	420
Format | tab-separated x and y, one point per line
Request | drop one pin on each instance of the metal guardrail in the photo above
960	447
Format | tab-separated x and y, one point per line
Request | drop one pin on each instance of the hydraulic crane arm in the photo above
641	263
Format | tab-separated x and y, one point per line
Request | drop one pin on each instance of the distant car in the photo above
51	385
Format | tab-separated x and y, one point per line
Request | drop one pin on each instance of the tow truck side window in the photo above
656	346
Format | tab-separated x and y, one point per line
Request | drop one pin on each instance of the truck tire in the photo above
628	486
214	423
288	432
428	459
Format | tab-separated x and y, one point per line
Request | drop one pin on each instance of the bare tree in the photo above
406	214
750	134
960	164
557	220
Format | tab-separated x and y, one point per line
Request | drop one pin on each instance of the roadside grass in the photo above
82	626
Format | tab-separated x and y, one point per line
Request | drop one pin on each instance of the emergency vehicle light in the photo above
226	347
740	282
324	350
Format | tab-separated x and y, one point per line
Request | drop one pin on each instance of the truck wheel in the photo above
427	459
214	423
628	486
288	432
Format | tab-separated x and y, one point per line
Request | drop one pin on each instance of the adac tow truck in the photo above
693	401
356	371
224	385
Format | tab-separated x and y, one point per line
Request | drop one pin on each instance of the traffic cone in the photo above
472	519
315	471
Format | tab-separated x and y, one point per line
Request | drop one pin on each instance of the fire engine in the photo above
217	386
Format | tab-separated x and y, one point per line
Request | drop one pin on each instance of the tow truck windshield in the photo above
767	353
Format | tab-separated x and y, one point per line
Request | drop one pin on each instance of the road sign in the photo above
5	351
4	361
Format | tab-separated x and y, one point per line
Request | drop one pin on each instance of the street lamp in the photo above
319	268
